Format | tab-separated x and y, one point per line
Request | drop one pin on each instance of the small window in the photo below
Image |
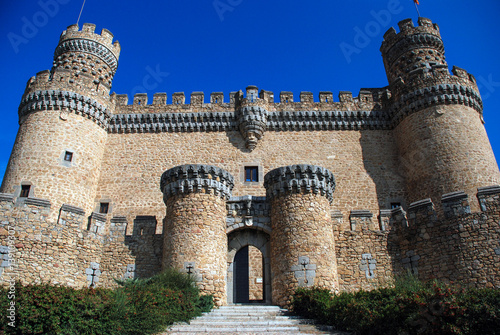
25	191
395	205
68	156
104	208
252	173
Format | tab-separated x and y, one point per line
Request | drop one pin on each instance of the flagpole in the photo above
416	7
81	10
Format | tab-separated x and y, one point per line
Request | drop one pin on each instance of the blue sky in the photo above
226	45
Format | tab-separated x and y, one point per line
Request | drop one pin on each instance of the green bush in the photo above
45	309
410	307
205	303
143	306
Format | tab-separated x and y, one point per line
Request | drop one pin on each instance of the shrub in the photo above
312	303
410	307
45	309
141	306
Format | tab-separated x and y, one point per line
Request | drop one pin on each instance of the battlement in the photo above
88	32
407	28
366	96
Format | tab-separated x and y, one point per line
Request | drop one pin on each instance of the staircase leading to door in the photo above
247	319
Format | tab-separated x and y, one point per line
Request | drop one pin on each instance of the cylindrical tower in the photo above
302	245
195	224
437	117
63	119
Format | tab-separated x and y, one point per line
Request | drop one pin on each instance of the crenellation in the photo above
197	98
140	99
286	97
405	25
217	98
455	204
326	97
88	28
365	96
160	99
489	198
267	96
361	219
178	98
72	209
108	36
421	211
306	97
345	97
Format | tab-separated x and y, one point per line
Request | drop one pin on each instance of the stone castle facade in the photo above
344	194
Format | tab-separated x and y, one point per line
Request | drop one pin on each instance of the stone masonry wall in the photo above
38	159
302	245
364	256
196	241
365	165
47	251
256	274
62	252
459	156
459	246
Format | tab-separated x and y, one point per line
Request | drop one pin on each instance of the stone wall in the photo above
74	250
458	246
365	165
458	158
37	159
364	256
195	239
302	242
256	274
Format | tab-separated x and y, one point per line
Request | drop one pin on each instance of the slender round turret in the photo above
63	119
302	242
195	224
437	117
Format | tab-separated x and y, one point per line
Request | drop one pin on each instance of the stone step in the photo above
249	323
239	333
205	329
244	319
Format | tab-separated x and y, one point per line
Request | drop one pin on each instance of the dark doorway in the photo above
240	276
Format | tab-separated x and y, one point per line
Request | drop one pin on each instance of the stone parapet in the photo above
196	178
35	202
447	91
421	211
455	204
361	219
303	179
489	197
65	101
72	209
248	211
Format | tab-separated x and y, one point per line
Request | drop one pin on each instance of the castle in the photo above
252	196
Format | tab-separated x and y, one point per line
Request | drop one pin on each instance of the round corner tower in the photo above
195	222
302	241
63	118
442	142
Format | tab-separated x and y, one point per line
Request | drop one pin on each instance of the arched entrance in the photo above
244	249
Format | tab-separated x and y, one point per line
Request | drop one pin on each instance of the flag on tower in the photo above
416	1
